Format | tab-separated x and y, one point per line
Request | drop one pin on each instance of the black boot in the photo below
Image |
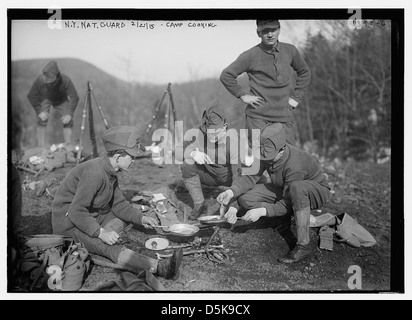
198	210
169	268
299	253
285	232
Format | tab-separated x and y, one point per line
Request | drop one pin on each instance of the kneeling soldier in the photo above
297	185
208	160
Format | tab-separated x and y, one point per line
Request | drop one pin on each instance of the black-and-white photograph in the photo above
192	150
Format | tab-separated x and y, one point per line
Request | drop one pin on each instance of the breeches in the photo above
60	109
300	194
95	245
255	123
209	175
308	193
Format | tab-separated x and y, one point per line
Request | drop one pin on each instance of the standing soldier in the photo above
268	66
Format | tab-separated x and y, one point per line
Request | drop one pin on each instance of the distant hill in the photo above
122	103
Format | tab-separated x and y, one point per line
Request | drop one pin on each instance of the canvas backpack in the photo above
346	229
51	262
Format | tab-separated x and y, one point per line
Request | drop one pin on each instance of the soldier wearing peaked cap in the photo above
53	89
90	207
297	186
208	157
268	66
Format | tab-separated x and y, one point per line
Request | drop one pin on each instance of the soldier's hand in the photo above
66	119
254	101
231	215
200	157
254	214
109	237
43	115
224	197
149	222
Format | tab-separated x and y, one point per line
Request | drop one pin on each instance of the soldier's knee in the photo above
246	201
297	189
188	170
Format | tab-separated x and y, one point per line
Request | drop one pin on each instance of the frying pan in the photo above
181	229
214	219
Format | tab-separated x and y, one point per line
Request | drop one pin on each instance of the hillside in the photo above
122	103
112	94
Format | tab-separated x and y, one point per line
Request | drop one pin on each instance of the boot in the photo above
67	134
302	221
135	262
198	210
302	249
299	253
285	232
41	136
169	268
194	186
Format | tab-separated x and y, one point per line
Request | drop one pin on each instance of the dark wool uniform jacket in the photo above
89	189
58	92
269	78
294	165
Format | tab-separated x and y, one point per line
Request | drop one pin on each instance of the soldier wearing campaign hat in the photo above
268	66
297	186
208	158
90	207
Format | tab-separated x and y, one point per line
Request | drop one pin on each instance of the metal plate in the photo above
182	229
157	244
211	219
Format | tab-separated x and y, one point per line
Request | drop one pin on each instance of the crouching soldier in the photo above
90	207
297	185
209	159
53	88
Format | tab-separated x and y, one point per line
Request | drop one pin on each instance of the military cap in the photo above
50	71
213	117
123	138
267	24
272	139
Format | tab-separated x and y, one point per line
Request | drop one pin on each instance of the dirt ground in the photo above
362	189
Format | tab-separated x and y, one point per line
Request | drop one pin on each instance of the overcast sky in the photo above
154	51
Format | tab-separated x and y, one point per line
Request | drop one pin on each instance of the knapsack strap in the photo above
40	273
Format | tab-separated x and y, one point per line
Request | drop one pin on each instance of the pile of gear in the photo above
46	187
340	228
51	262
36	160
